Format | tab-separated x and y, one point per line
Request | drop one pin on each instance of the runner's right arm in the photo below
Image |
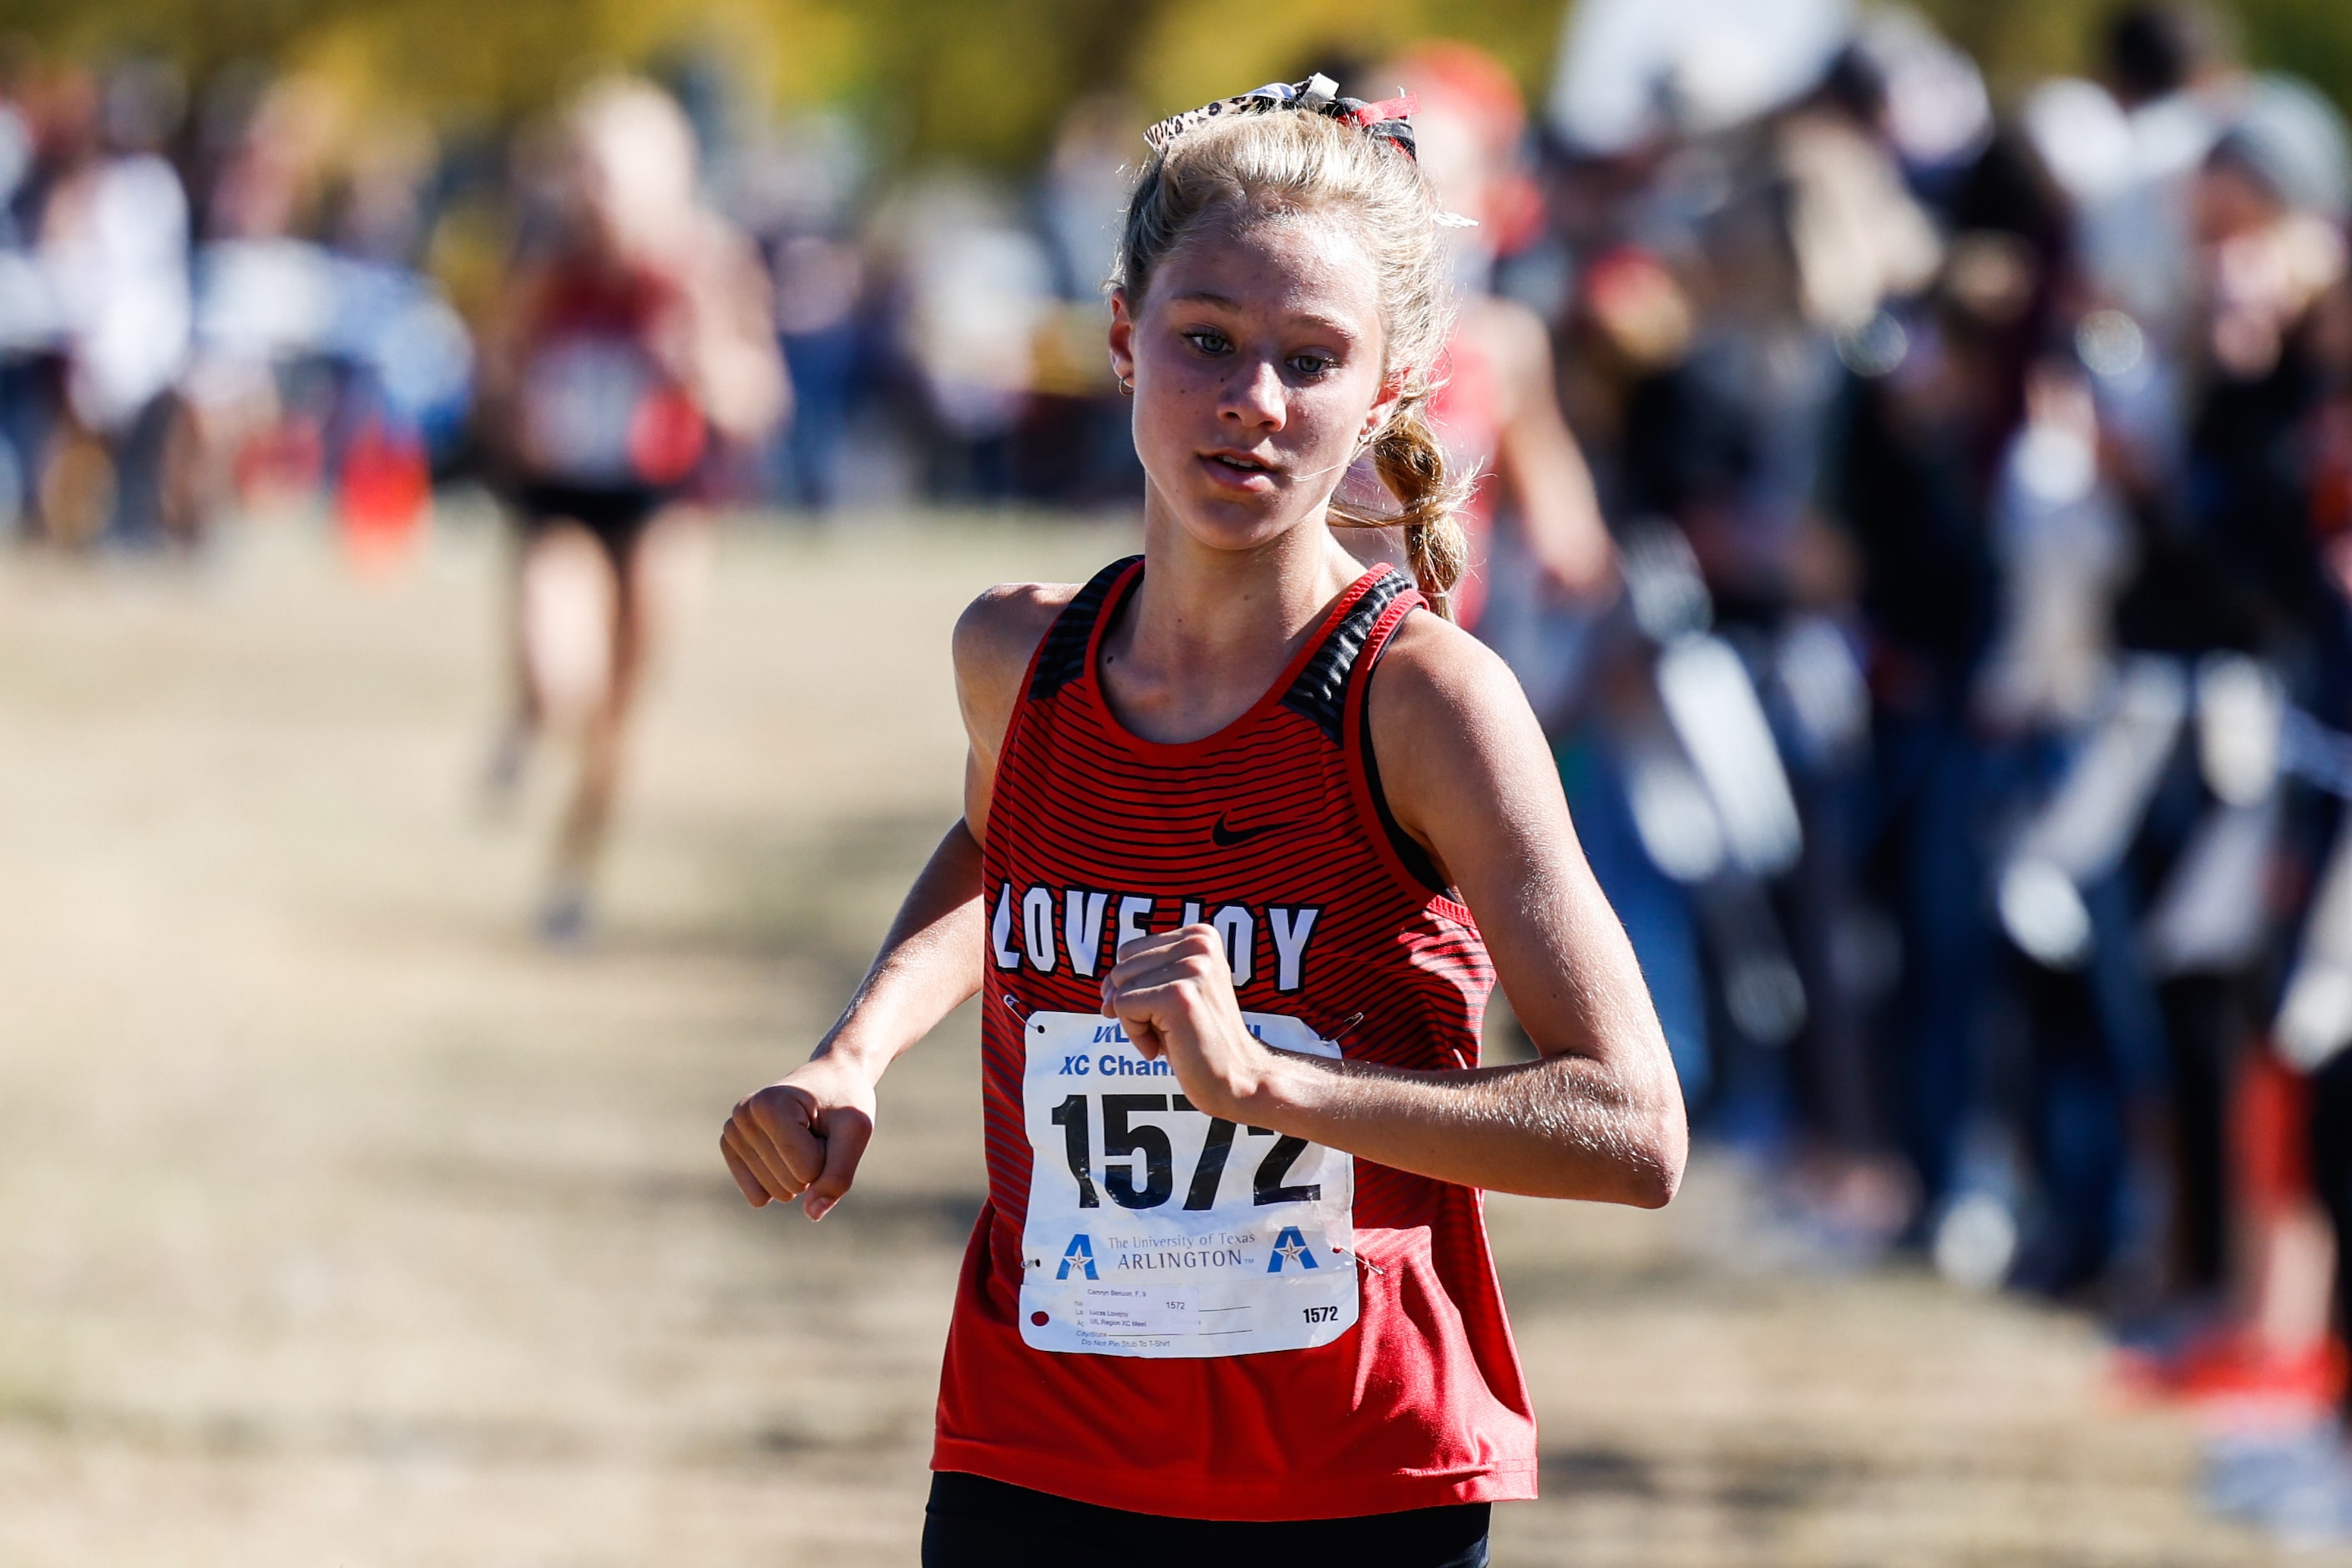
803	1135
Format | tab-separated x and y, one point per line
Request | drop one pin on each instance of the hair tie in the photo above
1389	120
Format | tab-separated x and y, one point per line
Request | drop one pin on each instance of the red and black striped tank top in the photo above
1274	829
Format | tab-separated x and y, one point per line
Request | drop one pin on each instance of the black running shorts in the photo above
973	1522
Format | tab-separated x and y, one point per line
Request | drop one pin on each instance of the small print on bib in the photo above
1157	1231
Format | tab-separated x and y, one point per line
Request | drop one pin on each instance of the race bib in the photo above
1157	1231
583	401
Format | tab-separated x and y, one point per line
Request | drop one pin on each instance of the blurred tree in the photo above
502	58
991	81
2019	40
2312	39
982	80
1197	50
985	80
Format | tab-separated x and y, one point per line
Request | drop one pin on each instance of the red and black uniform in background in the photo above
605	435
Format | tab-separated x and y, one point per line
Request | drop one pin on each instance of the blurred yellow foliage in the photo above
985	80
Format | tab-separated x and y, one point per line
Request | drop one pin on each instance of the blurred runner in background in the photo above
1498	412
633	337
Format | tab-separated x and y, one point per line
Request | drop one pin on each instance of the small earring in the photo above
1126	386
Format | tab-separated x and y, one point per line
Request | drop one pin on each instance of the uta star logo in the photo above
1081	1256
1290	1247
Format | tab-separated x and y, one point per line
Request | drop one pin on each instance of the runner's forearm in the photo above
930	963
1565	1126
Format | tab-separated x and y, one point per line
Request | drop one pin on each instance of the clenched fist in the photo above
802	1137
1174	994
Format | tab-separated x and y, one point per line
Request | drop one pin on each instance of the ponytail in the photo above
1412	464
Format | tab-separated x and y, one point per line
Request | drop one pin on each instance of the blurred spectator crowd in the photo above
264	286
1966	752
1963	731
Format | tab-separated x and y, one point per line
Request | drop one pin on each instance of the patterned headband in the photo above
1318	94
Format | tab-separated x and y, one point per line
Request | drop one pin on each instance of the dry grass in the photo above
340	1225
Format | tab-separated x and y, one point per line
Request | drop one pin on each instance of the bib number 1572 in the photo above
1156	1229
1136	1148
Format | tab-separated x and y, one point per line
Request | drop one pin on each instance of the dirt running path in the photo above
340	1225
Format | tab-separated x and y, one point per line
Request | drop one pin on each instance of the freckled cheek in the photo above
1166	433
1177	414
1181	414
1321	437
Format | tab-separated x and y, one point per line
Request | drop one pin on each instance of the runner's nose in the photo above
1255	397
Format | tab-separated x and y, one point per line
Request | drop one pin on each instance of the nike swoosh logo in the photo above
1226	837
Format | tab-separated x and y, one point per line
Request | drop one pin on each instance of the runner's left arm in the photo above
1467	773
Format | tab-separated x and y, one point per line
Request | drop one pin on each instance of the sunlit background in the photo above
484	489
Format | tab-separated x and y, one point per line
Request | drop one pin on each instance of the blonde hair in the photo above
635	153
1288	160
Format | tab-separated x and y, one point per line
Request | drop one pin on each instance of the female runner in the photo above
626	349
1236	905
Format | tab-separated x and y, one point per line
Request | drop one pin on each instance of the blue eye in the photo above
1207	341
1312	365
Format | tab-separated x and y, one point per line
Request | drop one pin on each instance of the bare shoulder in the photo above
1438	683
999	630
1460	752
995	638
